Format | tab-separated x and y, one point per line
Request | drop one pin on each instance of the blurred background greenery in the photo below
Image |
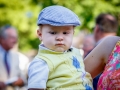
23	15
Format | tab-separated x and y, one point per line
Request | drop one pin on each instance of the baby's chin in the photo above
60	49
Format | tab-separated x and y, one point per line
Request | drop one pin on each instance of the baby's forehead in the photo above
67	27
47	28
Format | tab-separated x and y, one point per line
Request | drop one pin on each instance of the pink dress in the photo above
110	78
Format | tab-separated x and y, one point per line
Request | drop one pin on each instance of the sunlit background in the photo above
22	14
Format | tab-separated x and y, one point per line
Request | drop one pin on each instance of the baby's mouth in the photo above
59	44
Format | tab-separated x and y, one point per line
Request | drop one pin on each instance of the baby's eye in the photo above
65	32
52	32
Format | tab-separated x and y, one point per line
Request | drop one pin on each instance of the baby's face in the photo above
57	38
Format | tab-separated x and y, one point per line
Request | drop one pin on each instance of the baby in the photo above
58	65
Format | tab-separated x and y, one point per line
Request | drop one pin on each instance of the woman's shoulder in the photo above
111	39
108	44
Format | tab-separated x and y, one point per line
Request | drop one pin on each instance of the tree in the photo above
23	15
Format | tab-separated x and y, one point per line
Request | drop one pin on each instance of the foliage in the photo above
23	15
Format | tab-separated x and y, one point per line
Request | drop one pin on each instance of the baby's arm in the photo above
98	57
38	75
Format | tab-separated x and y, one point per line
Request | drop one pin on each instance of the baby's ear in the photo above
39	33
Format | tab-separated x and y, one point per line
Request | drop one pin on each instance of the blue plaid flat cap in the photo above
58	16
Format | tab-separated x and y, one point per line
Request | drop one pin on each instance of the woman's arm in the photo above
98	57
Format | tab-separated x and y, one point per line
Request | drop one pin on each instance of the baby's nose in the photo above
59	37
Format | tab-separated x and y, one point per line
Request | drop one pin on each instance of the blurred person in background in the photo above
106	25
88	44
10	74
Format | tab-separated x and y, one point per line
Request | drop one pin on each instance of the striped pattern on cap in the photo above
58	16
